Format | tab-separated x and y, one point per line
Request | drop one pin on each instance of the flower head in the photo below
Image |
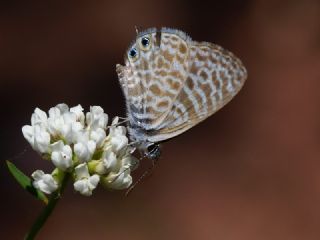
82	145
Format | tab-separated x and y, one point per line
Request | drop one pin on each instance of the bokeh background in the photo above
252	171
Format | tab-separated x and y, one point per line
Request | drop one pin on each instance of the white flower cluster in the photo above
80	144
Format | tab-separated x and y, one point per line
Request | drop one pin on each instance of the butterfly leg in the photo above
146	173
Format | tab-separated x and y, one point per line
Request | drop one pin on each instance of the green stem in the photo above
46	212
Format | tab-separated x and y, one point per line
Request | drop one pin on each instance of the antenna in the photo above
136	28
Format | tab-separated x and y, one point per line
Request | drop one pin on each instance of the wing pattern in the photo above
214	77
174	83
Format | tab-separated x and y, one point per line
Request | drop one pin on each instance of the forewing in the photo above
131	88
168	73
214	77
152	83
134	78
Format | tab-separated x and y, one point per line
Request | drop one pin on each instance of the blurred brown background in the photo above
252	171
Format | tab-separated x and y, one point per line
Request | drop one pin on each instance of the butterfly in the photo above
171	83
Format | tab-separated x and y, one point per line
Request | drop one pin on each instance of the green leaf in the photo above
26	182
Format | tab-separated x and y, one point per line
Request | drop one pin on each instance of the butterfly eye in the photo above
133	54
145	43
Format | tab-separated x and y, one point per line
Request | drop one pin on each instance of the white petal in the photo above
98	167
82	152
93	181
82	171
55	124
44	182
77	130
119	181
77	127
27	132
54	112
96	110
103	121
98	136
78	110
37	175
81	136
63	108
119	142
69	117
91	146
41	139
87	185
61	156
38	117
82	187
96	118
110	160
57	146
66	132
117	131
67	151
84	182
79	149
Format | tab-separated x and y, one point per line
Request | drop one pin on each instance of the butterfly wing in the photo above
174	83
214	77
152	80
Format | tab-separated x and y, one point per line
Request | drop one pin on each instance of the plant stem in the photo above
46	212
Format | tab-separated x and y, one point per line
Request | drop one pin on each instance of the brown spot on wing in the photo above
175	74
204	75
223	76
182	48
213	59
193	68
175	85
160	63
190	83
215	80
155	89
168	56
201	58
163	104
161	73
